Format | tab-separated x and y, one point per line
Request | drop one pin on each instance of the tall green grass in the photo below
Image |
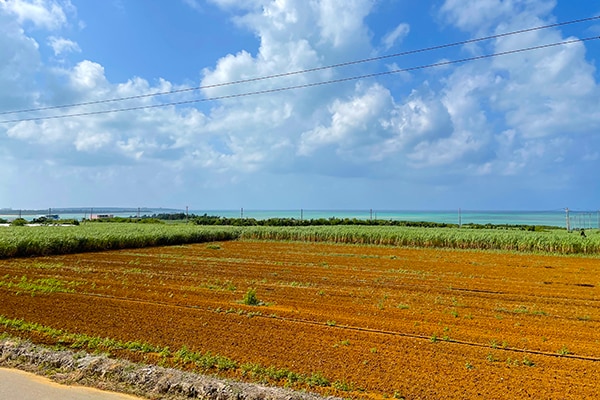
551	241
50	240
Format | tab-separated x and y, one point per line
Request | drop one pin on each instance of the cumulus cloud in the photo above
61	45
19	64
46	14
540	100
483	16
452	127
502	118
353	124
392	38
288	43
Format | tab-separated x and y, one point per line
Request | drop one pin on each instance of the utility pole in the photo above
459	218
371	214
301	214
568	220
187	215
242	213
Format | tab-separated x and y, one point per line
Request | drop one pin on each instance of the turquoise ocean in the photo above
577	219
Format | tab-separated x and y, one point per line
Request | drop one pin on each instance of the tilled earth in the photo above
403	322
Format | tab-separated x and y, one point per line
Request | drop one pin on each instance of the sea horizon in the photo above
558	217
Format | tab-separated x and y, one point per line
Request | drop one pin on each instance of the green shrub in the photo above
19	222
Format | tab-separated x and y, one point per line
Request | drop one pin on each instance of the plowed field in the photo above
413	323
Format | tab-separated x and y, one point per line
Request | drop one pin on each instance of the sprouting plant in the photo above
345	342
343	386
446	336
563	351
250	298
526	361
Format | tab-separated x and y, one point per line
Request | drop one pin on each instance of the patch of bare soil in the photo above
379	321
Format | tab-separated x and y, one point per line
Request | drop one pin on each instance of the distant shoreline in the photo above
558	218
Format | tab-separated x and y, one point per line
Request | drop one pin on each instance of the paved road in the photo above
19	385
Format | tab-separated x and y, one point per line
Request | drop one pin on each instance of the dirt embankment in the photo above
154	382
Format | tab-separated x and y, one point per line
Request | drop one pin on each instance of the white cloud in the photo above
344	27
19	64
526	115
92	142
195	4
88	76
392	38
482	16
288	42
353	123
61	45
46	14
542	100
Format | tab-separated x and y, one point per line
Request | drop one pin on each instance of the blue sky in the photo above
513	132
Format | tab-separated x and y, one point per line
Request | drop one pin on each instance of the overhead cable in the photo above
307	85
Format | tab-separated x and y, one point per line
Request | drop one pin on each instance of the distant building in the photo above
98	216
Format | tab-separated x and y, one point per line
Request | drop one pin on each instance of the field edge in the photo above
99	371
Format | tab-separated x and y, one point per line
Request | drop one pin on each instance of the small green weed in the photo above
250	298
527	362
342	343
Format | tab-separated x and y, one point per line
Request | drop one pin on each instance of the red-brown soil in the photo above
417	323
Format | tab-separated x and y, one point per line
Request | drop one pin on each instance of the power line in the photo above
306	85
304	71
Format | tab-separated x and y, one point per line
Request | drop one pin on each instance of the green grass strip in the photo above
184	357
42	285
